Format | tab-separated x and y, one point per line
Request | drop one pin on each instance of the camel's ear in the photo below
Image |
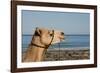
37	31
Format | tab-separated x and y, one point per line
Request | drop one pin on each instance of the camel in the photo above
41	40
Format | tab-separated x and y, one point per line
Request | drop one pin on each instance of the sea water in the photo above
70	41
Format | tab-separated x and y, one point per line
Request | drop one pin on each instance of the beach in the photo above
69	54
66	54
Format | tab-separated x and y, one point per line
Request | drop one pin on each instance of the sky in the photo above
68	22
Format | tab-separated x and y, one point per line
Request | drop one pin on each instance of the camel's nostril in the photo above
62	33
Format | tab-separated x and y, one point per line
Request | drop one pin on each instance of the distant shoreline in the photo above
85	48
75	48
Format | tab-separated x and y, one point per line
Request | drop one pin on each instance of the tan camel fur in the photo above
42	37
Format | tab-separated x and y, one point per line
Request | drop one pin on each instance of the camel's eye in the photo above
51	35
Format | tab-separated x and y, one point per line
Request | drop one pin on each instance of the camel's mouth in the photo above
57	40
62	39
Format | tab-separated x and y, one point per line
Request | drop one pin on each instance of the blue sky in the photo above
68	22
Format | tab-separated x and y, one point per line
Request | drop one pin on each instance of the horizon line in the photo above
65	34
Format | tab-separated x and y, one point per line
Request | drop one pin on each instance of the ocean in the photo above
71	41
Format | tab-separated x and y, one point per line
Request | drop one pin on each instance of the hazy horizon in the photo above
65	34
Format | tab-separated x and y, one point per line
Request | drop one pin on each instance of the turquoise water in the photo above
71	41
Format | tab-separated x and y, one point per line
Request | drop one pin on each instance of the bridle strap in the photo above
51	39
46	45
45	50
37	45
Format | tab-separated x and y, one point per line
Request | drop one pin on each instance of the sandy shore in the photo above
68	54
54	55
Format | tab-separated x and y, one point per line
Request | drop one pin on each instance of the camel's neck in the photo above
34	54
